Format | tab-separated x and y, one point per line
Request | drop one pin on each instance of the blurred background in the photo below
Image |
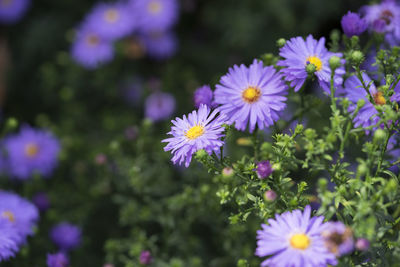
113	179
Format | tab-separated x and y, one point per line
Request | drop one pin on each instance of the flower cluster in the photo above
18	217
150	20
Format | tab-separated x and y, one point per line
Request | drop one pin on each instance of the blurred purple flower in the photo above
89	49
145	257
362	244
31	151
159	106
383	17
338	238
203	95
59	259
19	211
9	238
159	45
11	11
66	236
154	15
41	201
112	20
352	24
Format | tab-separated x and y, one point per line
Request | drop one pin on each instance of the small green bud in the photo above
299	129
360	103
334	62
266	146
242	263
201	154
276	166
322	183
310	133
362	169
379	135
227	172
354	40
357	57
114	145
311	68
147	123
11	123
389	79
335	36
281	42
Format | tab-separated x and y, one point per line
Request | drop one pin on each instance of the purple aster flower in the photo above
383	17
145	257
354	91
20	212
159	106
200	130
12	11
362	244
264	169
298	54
9	238
112	20
159	45
155	15
89	49
59	259
203	95
31	151
294	239
66	236
338	238
352	24
253	95
41	201
396	95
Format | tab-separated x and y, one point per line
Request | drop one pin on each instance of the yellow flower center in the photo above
5	3
31	150
379	99
92	40
251	94
111	15
154	7
300	241
315	61
195	132
8	215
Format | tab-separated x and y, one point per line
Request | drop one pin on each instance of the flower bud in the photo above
362	244
334	62
299	129
362	169
311	68
270	195
379	135
281	42
264	169
357	57
11	123
227	172
145	257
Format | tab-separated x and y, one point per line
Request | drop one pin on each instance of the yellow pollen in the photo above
8	215
111	15
154	7
31	150
315	61
379	99
251	94
300	241
92	40
195	132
